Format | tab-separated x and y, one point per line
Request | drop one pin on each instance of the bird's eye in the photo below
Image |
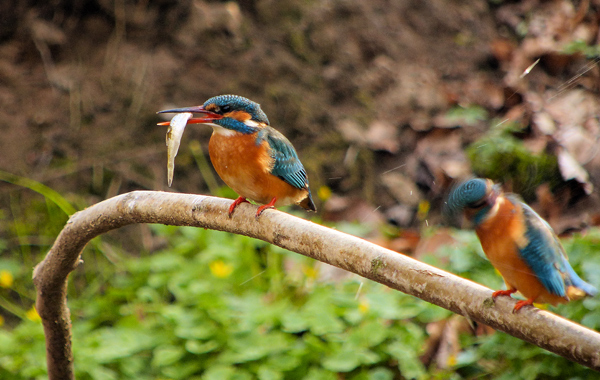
477	204
225	108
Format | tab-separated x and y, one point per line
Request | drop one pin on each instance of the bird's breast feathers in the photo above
504	239
246	167
502	235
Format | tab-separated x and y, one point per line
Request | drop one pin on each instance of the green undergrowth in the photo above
212	305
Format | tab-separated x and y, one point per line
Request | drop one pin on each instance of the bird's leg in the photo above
503	293
520	304
236	203
264	207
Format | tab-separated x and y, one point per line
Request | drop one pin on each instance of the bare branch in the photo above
353	254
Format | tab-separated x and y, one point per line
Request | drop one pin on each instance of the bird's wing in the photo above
287	165
543	252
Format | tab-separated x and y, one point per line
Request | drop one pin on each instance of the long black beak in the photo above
208	118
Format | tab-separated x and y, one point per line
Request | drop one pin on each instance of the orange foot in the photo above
520	304
264	207
503	293
236	203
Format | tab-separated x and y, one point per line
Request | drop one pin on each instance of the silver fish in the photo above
174	133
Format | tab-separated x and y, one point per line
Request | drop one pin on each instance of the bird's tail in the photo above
576	287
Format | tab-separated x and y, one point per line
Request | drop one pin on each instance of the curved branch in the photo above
353	254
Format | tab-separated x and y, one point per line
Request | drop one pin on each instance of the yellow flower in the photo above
324	193
310	271
6	279
33	315
423	209
452	360
363	306
220	269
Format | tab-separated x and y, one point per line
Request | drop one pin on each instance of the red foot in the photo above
264	207
236	203
520	304
503	293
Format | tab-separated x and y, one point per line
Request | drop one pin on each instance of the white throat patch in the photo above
217	129
229	132
494	210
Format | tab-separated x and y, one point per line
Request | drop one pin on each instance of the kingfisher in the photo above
519	243
254	159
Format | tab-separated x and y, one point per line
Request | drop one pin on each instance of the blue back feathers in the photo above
545	255
287	164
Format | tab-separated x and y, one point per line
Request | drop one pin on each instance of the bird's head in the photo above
474	197
227	111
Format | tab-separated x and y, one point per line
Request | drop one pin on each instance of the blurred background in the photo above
388	104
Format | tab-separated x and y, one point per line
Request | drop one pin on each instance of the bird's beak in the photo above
209	116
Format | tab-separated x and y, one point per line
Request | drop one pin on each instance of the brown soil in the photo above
362	89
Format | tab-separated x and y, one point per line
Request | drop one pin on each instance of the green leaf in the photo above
195	347
342	361
167	355
117	343
266	373
316	373
285	362
368	334
181	370
219	372
294	322
201	330
408	362
381	373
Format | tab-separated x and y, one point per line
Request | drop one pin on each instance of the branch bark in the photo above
353	254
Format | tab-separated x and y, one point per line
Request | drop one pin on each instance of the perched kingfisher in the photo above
519	243
254	159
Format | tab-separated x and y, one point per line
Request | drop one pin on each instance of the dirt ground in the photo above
368	92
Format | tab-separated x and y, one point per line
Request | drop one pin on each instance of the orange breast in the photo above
245	167
500	237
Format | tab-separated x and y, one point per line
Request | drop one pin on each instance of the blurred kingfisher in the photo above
254	159
519	243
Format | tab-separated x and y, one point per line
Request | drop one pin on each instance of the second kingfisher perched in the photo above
254	159
519	243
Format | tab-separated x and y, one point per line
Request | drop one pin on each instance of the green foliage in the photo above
580	46
502	157
219	306
469	115
212	305
49	194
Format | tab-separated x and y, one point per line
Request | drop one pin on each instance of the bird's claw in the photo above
520	304
503	293
264	207
261	209
236	203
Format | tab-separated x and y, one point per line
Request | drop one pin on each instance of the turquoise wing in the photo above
287	165
546	256
543	253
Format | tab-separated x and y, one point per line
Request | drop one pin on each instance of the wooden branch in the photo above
353	254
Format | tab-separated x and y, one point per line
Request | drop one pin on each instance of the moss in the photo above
376	264
502	157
